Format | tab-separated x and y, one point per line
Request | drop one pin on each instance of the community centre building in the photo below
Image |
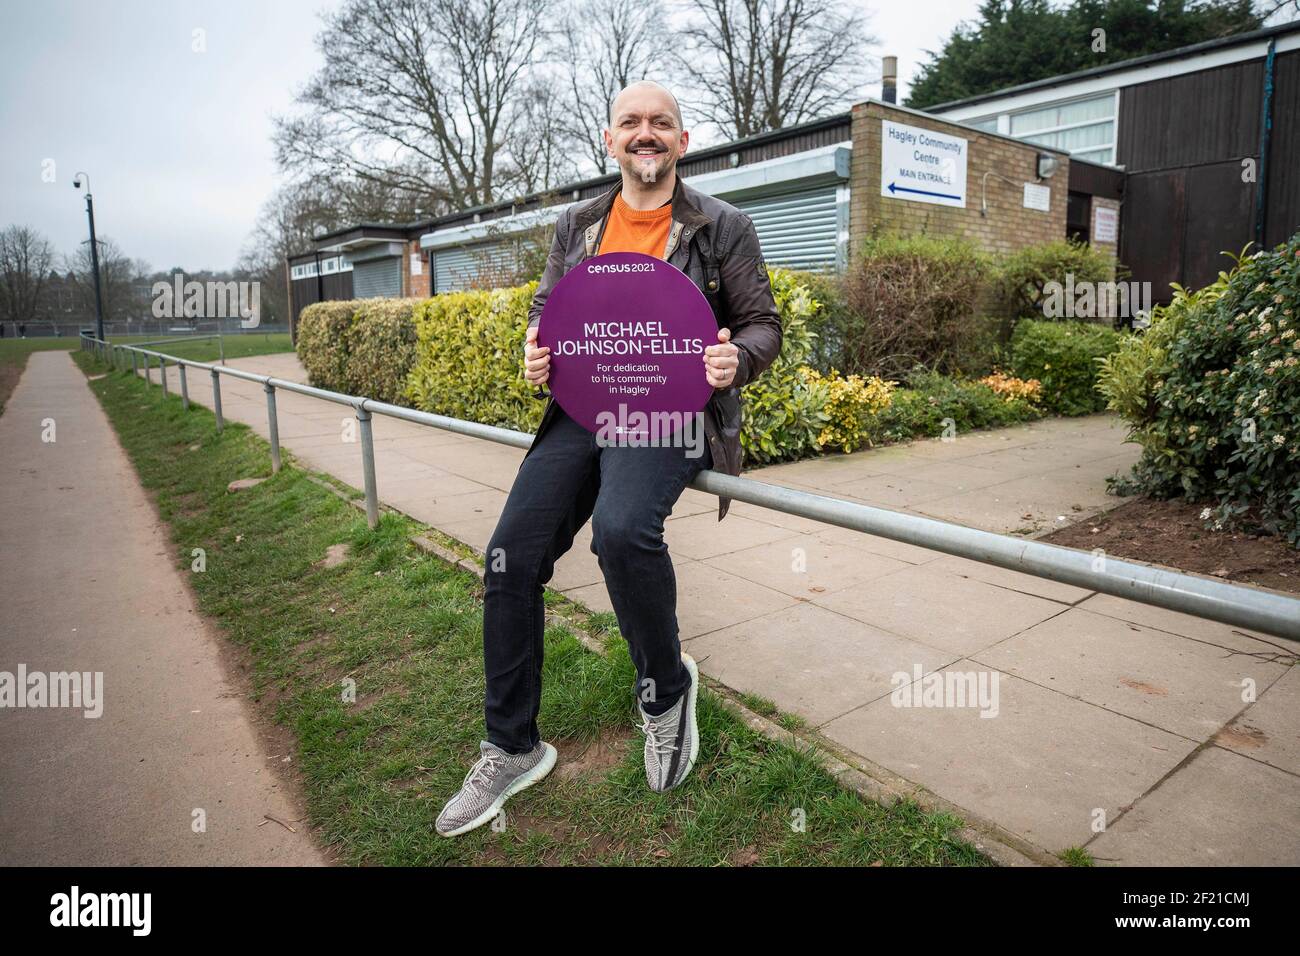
1162	161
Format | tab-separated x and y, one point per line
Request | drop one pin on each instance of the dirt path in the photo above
174	771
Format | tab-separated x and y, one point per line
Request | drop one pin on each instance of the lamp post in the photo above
94	253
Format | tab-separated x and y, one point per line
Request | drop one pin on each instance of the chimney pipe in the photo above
889	84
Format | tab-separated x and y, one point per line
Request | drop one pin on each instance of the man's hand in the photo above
537	362
721	361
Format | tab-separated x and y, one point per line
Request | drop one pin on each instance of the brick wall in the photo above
1008	225
415	286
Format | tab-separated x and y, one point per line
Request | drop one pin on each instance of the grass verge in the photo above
406	627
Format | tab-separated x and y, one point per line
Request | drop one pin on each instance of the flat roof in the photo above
425	225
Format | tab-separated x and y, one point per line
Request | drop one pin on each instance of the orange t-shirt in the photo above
635	230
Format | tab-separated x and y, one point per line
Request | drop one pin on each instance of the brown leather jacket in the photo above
716	245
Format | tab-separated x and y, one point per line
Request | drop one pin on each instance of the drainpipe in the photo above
1265	131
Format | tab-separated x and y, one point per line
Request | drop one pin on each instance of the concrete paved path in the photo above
88	584
1146	736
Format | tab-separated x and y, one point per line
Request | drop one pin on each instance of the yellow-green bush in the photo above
322	342
782	412
361	347
469	358
851	403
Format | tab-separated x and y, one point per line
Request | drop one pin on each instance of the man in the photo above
570	474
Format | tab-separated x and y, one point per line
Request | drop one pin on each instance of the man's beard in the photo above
648	172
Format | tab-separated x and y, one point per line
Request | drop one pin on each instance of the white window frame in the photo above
1112	147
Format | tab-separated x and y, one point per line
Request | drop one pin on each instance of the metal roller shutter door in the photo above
799	230
377	278
455	269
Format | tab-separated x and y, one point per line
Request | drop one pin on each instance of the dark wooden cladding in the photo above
1220	218
1195	118
306	292
1282	215
1151	240
1096	180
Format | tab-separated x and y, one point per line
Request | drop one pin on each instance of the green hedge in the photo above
362	347
1064	357
1212	393
469	358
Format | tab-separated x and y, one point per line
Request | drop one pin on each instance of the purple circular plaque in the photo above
626	333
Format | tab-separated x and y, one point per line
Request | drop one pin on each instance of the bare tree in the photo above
605	45
761	65
120	282
25	260
539	152
429	84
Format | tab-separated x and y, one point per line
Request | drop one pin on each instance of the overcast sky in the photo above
177	142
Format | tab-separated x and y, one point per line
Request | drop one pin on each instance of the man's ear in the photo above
609	142
686	138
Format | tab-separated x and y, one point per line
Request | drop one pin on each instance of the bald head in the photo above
646	136
644	96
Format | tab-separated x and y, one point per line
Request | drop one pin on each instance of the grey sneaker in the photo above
672	740
494	779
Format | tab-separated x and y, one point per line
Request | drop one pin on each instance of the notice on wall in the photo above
417	264
921	165
1038	197
1105	224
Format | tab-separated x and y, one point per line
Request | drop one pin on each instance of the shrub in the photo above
1212	393
1011	388
912	301
783	412
1064	357
852	402
828	320
935	404
1018	282
469	358
322	342
362	347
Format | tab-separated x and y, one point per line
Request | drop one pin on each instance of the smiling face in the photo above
645	135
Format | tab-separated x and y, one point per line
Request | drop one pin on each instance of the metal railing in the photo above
221	343
1245	607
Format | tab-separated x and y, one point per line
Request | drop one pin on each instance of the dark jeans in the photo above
627	492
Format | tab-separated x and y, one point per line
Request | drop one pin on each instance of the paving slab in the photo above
708	598
702	536
1012	580
945	611
1197	818
1183	686
811	661
806	565
1268	730
1040	767
1187	625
